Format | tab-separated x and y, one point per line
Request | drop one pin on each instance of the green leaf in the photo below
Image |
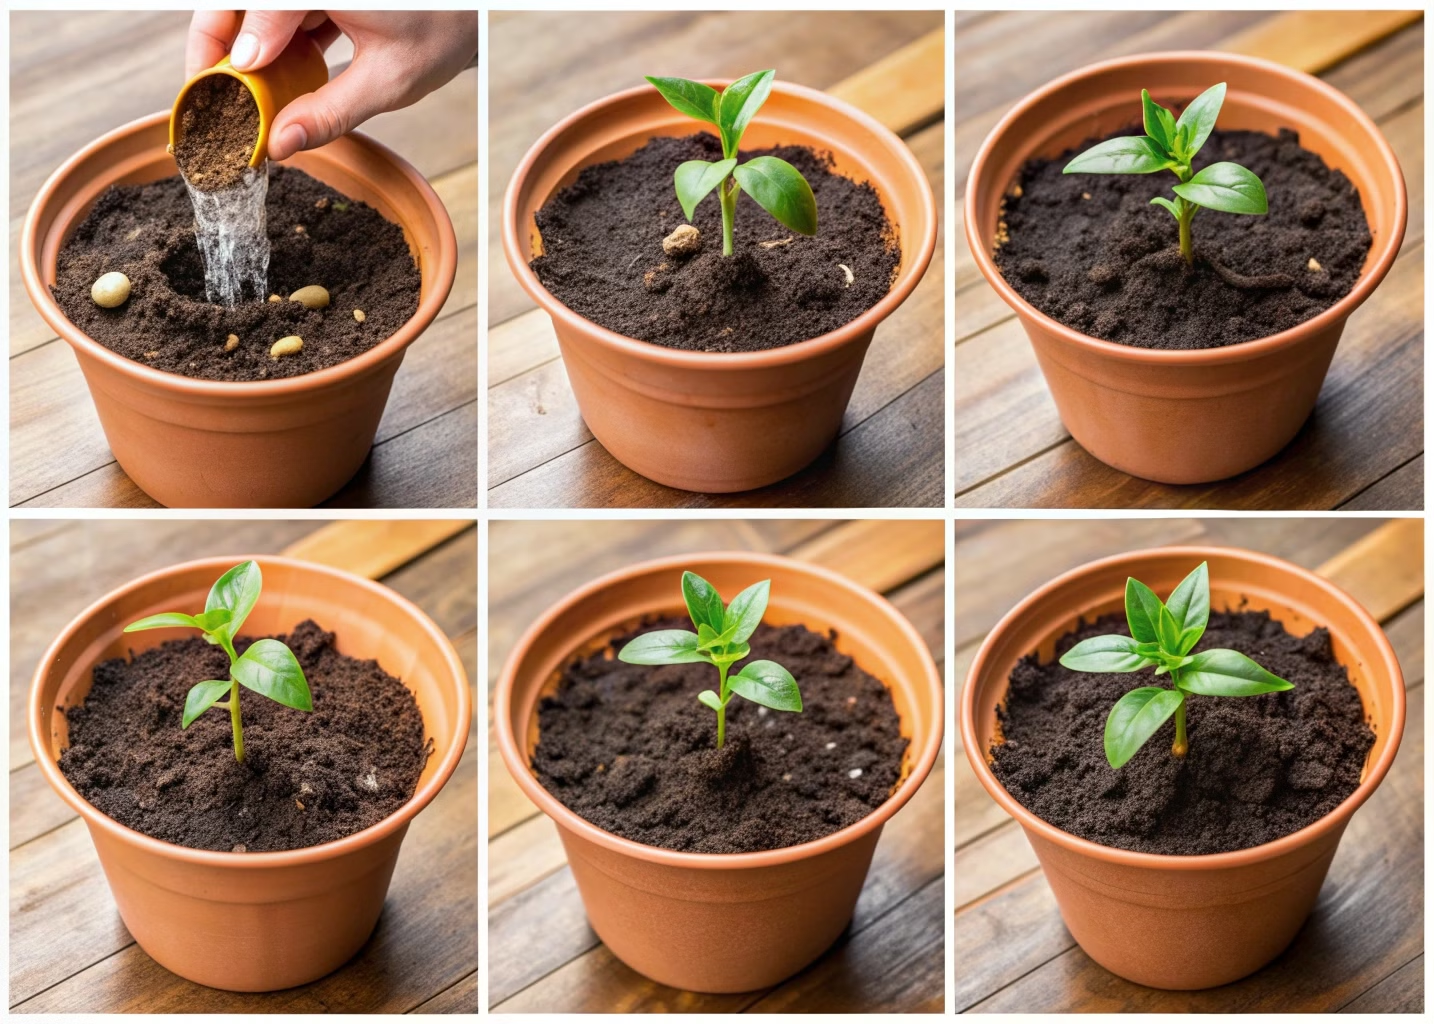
768	684
1197	120
1135	718
1109	653
1142	611
163	620
1190	603
704	604
211	621
237	591
730	653
691	98
1162	201
270	668
747	609
1222	673
1169	631
695	179
1189	637
740	102
202	697
662	647
1131	154
710	699
1159	122
780	189
1226	187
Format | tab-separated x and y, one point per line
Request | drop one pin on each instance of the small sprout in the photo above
267	667
358	315
685	240
110	290
1170	145
773	243
231	343
720	640
776	185
850	277
1163	634
290	346
311	296
341	207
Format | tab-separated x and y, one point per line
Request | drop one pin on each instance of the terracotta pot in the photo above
255	922
716	421
1187	922
720	922
1236	406
271	444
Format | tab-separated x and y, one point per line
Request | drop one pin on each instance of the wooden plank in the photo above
374	547
1401	992
1312	41
1383	570
1397	491
906	89
879	553
459	998
397	473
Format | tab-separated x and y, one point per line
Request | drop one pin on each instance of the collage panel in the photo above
666	836
684	283
310	848
1242	832
1114	349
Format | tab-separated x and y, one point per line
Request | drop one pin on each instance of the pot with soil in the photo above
249	853
720	868
701	370
1233	345
248	320
1195	862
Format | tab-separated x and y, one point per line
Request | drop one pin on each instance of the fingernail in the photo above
245	50
291	140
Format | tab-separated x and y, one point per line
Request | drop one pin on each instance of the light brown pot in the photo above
720	922
287	443
1187	922
255	922
715	421
1233	407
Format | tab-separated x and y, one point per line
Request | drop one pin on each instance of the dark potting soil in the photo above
218	130
147	232
603	255
308	777
1090	251
630	749
1258	768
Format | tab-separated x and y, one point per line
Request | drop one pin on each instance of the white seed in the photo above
831	746
850	277
358	315
855	773
231	343
289	346
110	290
1314	264
684	241
312	296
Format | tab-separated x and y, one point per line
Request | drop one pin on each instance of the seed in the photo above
275	298
322	204
311	297
1085	195
850	277
684	241
1314	264
289	346
299	804
855	773
299	229
776	242
231	343
151	355
110	290
358	315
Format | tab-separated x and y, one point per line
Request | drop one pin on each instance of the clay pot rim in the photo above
1386	250
95	818
975	754
445	268
517	764
621	345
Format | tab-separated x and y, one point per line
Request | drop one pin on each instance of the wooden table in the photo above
542	956
546	65
69	951
77	75
1361	950
1364	446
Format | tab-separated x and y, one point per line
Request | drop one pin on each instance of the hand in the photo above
399	58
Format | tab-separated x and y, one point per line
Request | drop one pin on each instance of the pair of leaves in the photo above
230	601
774	184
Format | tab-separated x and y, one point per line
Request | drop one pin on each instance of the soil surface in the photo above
1258	767
147	232
218	130
1090	251
307	777
603	255
629	748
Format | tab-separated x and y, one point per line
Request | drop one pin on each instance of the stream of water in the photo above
233	241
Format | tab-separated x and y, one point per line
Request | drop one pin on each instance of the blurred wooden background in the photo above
69	951
1364	446
542	956
546	65
1362	949
77	75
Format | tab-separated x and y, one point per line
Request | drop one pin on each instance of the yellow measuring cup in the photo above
299	69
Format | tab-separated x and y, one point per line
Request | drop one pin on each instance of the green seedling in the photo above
267	667
720	640
776	185
1170	144
1163	634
